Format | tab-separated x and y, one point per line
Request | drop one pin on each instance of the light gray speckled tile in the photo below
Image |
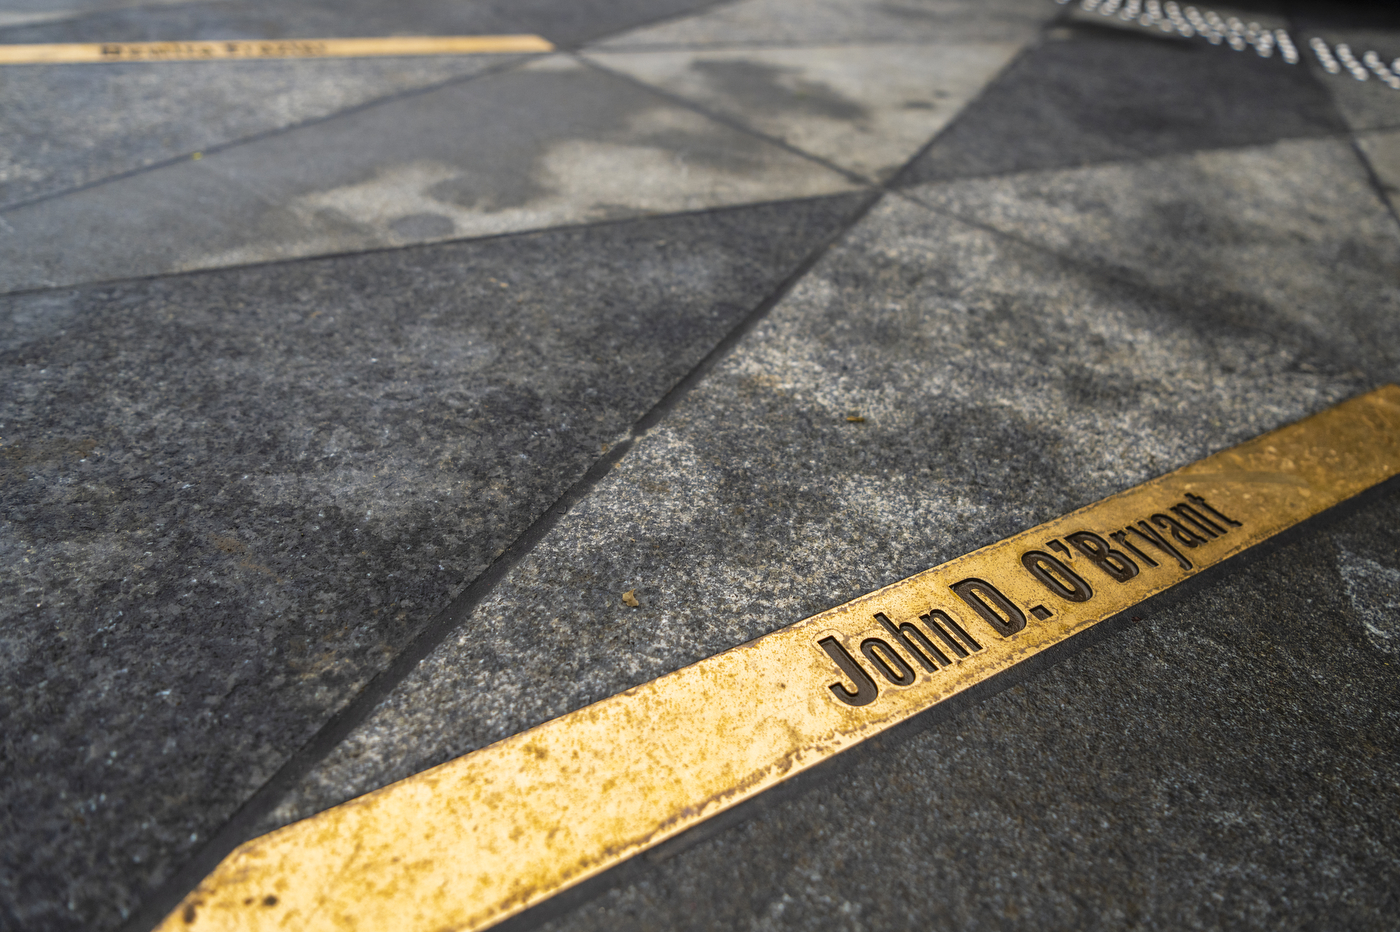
1001	385
867	108
813	22
552	142
230	498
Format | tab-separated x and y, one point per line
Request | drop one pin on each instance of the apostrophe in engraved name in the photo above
940	642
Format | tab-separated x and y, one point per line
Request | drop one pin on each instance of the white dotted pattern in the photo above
1215	29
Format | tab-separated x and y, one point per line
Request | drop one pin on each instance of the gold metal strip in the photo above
478	839
268	48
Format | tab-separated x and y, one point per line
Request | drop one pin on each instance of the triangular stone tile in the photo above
866	108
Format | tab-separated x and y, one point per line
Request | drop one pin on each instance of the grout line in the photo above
237	828
407	93
1375	179
405	247
723	120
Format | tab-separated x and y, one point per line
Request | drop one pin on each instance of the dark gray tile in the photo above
1000	385
1093	94
230	498
1369	104
549	143
1294	231
1228	762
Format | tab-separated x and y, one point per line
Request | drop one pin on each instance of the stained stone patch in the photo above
70	125
995	385
230	498
810	22
1093	94
866	108
566	144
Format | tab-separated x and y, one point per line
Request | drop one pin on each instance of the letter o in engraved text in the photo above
1055	576
887	661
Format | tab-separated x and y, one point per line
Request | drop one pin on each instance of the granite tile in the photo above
1228	762
553	142
1094	94
867	108
1295	227
1000	385
809	22
231	497
1382	151
564	22
71	125
1369	104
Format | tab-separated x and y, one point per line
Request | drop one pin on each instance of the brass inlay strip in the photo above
267	48
480	838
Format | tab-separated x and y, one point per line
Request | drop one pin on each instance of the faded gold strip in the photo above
268	48
478	839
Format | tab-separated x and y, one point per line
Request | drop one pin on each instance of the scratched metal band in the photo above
478	839
267	48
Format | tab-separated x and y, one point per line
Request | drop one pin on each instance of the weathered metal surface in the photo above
475	840
267	48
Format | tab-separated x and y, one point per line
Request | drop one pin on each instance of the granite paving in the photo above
1001	383
745	308
566	144
865	108
1094	93
232	497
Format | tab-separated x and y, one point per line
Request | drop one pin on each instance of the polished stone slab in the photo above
232	498
995	384
866	108
809	22
1095	94
553	142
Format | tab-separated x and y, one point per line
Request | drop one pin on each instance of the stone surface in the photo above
1369	104
808	22
1382	151
561	21
1229	762
70	125
1294	230
1001	383
866	108
1094	94
550	143
231	497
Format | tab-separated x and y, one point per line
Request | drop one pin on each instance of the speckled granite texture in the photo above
1001	384
229	498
